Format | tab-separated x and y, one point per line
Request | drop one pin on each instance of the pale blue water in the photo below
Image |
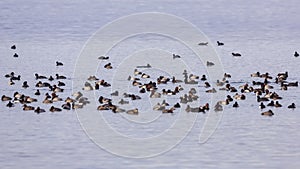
266	33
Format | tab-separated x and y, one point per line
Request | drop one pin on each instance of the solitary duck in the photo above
235	104
13	47
176	56
203	43
220	43
59	63
37	93
296	54
208	64
25	85
15	55
108	66
292	106
236	54
267	113
103	57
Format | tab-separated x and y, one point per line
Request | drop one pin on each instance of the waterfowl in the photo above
277	104
104	100
37	76
40	84
77	106
11	74
158	106
207	85
257	74
25	85
262	106
69	100
77	95
104	83
15	55
66	106
13	47
147	66
103	57
213	90
16	77
122	101
56	99
155	94
55	109
136	72
27	108
226	75
267	113
203	43
177	105
225	102
208	64
108	66
136	83
10	104
266	76
116	93
132	78
46	101
293	84
61	83
203	78
144	76
17	95
220	43
59	63
176	56
195	109
60	76
92	78
271	103
10	82
51	78
193	77
133	111
5	98
292	106
168	110
38	110
262	99
236	54
56	89
143	90
235	104
218	107
87	86
296	54
103	107
28	99
282	76
116	109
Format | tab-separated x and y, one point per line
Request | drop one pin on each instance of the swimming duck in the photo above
116	93
116	109
133	111
220	43
213	90
25	85
10	104
144	76
59	63
158	106
92	78
271	103
262	106
27	108
147	66
87	86
47	101
296	54
122	101
262	99
16	77
257	74
61	83
104	100
292	106
5	98
108	66
236	54
168	110
208	64
203	43
55	109
60	76
267	113
103	57
51	78
235	104
277	104
15	55
155	94
11	74
176	56
218	107
177	105
207	85
38	110
203	78
37	76
13	47
67	106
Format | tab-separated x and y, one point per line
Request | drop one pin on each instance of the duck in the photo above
208	64
47	101
257	74
194	109
16	77
207	85
277	104
155	94
133	111
59	63
203	78
122	101
267	113
133	78
213	90
293	84
291	106
28	99
77	95
5	98
38	110
235	104
51	78
144	76
104	100
236	54
227	75
108	66
262	106
218	107
193	77
147	66
158	106
55	109
56	89
92	78
11	74
60	76
177	105
27	108
77	106
61	83
176	56
115	93
103	57
168	110
67	106
116	109
13	47
225	102
87	86
15	55
37	76
136	72
103	107
25	85
262	99
271	103
220	43
69	100
10	104
296	54
203	43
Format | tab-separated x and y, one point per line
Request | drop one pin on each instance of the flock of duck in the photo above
150	86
